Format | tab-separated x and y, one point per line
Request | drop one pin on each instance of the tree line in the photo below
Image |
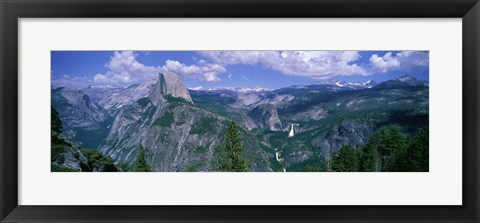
388	150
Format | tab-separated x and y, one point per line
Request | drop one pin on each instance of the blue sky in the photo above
266	69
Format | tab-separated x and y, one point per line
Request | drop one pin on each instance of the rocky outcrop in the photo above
67	156
266	116
348	132
297	156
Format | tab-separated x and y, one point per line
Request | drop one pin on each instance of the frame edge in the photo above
9	112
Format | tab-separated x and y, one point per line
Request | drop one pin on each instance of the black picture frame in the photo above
11	11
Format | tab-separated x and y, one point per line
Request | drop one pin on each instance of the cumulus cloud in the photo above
313	64
202	70
323	64
405	60
124	68
385	63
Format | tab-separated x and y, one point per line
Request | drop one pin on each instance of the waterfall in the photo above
291	133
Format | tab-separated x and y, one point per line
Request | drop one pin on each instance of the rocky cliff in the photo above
348	132
266	116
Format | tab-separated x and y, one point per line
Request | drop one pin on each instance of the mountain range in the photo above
283	129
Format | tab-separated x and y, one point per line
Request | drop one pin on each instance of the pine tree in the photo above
345	160
390	143
368	158
141	164
233	157
395	141
417	154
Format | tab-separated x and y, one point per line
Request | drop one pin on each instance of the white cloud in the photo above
202	70
405	60
323	64
313	64
125	69
385	63
71	82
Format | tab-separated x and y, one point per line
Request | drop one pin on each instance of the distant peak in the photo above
405	80
406	77
234	89
198	88
332	83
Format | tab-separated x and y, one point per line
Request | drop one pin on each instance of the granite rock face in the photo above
348	132
266	116
113	99
177	135
169	84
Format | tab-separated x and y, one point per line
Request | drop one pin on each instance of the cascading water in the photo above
291	133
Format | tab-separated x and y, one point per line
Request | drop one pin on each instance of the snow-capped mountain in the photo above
331	84
234	89
348	85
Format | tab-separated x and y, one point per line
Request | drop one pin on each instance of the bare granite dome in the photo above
170	84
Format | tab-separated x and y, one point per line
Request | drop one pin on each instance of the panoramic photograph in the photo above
240	111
